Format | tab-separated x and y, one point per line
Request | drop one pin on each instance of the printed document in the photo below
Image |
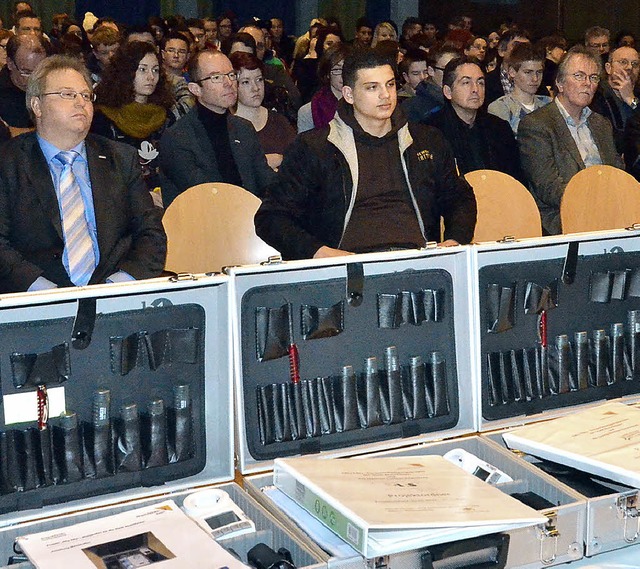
604	441
390	504
161	533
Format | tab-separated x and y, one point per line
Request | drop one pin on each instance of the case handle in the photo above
486	552
84	323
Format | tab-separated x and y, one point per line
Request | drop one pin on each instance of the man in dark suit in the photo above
209	144
73	207
559	140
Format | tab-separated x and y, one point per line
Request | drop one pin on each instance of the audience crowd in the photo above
352	144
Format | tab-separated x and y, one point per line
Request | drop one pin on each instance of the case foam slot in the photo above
592	350
61	462
332	405
329	411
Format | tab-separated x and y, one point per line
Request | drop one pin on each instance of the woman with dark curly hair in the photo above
133	100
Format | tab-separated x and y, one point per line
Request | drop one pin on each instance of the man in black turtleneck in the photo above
370	181
209	144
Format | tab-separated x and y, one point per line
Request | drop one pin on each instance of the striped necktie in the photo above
77	241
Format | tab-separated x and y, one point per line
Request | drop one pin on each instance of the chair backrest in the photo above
505	207
210	226
599	198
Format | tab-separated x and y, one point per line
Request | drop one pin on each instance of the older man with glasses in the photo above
73	208
615	97
24	52
209	144
566	136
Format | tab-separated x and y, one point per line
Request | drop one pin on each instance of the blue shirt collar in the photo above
584	115
50	151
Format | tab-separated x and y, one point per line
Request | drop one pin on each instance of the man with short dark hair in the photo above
480	141
410	27
104	44
333	198
73	207
498	82
174	48
364	33
429	98
27	22
413	70
24	52
196	27
209	144
566	136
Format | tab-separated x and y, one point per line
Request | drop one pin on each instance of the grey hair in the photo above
575	51
38	79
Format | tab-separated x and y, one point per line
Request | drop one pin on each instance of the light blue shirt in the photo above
80	168
581	134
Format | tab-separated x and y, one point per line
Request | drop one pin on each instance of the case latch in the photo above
634	227
378	562
548	536
431	245
507	239
627	505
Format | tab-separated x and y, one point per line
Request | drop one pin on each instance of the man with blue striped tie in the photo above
73	207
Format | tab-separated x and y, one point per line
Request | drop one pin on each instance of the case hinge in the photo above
273	260
548	536
627	505
183	277
634	227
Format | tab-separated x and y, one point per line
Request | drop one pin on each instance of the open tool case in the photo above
342	313
581	293
378	339
141	374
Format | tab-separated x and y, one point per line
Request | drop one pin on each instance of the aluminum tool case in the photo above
359	311
309	417
589	287
150	359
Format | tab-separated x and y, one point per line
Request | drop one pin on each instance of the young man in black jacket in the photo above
369	181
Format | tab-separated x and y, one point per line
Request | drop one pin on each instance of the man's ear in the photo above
195	89
431	71
607	67
446	91
559	86
511	72
347	94
35	107
405	77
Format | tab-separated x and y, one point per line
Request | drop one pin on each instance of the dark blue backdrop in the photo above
124	11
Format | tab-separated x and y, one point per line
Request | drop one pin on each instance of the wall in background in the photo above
573	16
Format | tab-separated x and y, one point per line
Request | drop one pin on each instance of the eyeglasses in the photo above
626	63
174	51
582	77
336	71
439	68
217	78
23	72
70	95
599	45
3	46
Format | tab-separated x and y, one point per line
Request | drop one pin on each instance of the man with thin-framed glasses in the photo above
566	136
209	144
74	210
24	52
615	98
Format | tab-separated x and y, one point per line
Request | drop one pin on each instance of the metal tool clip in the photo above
627	505
548	536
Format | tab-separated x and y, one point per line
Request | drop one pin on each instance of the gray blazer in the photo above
187	157
550	157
